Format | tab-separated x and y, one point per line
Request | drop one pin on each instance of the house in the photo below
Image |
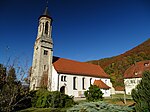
119	90
103	86
60	74
133	75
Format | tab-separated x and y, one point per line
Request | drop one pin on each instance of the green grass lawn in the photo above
121	96
44	110
116	99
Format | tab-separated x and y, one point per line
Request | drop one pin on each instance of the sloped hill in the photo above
116	66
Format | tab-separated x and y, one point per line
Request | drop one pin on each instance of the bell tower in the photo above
43	52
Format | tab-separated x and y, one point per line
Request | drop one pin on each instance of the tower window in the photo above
44	67
45	52
46	28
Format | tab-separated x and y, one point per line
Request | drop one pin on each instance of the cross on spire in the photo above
47	3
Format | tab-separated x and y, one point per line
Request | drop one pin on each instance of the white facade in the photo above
130	84
66	81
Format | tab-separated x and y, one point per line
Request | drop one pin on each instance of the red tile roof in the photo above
136	70
101	84
119	88
67	66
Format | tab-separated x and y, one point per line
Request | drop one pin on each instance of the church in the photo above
60	74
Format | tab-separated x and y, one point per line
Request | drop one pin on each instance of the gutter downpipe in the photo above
58	82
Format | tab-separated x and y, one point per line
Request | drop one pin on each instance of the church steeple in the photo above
43	53
45	25
46	11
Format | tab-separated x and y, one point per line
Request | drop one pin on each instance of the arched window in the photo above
46	28
90	81
83	82
74	83
62	78
65	78
44	67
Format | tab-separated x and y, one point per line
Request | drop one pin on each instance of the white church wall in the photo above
79	91
54	83
131	84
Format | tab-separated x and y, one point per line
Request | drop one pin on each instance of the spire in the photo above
46	13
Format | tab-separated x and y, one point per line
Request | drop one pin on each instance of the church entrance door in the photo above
62	89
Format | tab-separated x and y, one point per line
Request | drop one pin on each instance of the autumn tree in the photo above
2	75
12	94
141	94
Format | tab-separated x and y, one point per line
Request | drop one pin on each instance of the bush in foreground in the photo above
55	99
43	110
94	93
99	107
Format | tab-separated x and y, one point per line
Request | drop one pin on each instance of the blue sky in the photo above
82	29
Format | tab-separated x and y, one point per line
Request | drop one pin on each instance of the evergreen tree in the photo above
94	93
141	94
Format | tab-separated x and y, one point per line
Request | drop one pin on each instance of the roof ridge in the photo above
80	62
67	66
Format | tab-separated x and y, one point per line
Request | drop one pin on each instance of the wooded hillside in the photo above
116	66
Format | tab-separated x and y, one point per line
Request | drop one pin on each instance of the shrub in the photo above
99	107
55	99
94	93
60	100
141	94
